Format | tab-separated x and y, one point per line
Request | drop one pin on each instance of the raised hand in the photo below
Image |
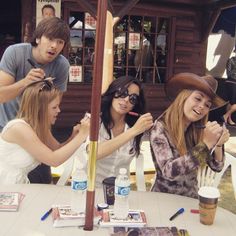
224	137
35	74
84	127
144	123
212	134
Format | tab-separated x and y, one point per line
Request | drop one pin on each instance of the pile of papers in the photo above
63	216
136	218
10	201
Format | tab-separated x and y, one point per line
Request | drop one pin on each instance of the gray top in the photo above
14	62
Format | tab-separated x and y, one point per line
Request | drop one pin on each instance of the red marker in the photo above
194	211
132	113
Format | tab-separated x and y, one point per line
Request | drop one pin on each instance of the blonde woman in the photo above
182	139
26	141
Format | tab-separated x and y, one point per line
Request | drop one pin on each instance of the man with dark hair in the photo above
48	10
16	73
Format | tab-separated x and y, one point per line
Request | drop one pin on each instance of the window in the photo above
81	52
140	47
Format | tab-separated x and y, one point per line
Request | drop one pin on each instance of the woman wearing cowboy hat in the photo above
182	140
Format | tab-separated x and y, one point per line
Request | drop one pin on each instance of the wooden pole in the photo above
95	110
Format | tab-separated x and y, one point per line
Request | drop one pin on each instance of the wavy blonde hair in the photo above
173	119
34	107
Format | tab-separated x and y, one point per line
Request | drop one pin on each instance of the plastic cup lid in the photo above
209	192
109	181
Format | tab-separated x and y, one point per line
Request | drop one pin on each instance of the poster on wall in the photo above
75	74
47	8
134	41
90	22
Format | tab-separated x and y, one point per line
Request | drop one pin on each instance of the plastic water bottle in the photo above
122	189
78	190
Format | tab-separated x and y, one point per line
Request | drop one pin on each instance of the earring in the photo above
37	41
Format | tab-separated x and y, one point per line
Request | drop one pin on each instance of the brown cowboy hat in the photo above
206	84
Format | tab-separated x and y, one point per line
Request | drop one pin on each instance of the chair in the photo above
232	162
67	170
207	177
140	176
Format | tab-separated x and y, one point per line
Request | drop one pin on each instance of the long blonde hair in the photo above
34	107
173	119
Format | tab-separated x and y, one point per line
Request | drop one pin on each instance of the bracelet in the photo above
219	145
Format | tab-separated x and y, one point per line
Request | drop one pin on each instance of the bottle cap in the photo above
122	171
102	206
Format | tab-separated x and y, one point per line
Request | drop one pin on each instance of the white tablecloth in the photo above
157	206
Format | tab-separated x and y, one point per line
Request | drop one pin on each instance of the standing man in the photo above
16	73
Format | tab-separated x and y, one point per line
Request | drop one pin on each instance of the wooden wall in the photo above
186	54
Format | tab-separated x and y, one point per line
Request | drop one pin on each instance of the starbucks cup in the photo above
208	199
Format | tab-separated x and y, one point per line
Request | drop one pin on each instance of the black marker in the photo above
180	211
32	63
35	67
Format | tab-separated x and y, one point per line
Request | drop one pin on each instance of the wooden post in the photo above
95	110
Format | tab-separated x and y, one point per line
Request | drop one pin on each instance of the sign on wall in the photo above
47	8
75	74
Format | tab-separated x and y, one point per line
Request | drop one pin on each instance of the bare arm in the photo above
9	89
24	136
145	122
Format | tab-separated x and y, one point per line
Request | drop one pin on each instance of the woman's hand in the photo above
224	137
76	128
144	123
213	134
83	128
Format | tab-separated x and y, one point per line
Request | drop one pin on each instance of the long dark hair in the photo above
107	97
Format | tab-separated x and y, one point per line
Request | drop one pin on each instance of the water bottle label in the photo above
79	185
123	191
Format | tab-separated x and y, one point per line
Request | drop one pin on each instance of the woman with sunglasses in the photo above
182	140
26	141
120	132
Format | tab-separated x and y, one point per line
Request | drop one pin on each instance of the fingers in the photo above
35	75
214	134
145	122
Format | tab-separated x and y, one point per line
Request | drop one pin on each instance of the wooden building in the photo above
152	40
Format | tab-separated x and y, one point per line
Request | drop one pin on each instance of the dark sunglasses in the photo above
124	92
46	86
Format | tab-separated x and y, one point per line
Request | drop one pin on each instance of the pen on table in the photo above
180	211
44	217
132	113
194	211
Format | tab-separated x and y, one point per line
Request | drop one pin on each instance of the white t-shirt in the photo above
109	165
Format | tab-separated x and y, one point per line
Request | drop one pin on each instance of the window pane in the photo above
135	24
119	49
88	74
119	71
147	75
75	56
160	75
149	24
